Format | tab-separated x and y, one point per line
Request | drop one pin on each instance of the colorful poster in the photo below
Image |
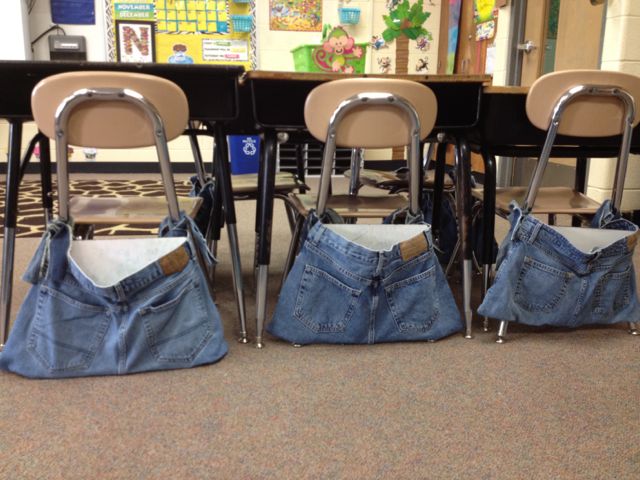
485	18
191	16
295	15
454	28
180	31
221	50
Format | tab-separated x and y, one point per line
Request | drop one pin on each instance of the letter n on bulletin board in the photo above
135	41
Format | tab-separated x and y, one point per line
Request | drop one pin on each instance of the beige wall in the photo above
501	44
621	52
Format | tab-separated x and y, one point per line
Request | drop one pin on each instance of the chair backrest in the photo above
376	126
112	125
584	116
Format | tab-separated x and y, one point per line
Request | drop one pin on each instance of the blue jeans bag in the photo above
359	284
111	307
565	276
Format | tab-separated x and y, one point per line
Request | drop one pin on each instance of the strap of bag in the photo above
41	263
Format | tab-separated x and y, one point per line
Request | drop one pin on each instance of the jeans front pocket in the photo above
324	304
177	324
413	301
612	293
540	286
66	333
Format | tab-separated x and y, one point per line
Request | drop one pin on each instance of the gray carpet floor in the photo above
548	404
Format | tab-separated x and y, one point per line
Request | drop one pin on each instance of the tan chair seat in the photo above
132	210
387	180
560	200
248	182
361	206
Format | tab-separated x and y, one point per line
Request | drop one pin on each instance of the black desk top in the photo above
279	97
211	90
504	129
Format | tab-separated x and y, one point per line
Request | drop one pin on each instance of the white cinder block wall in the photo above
621	52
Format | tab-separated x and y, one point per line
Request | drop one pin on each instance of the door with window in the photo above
555	35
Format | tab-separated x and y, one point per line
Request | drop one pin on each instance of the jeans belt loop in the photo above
517	226
534	233
319	230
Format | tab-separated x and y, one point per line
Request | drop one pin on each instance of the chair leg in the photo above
289	209
293	248
83	231
452	260
633	328
236	270
488	224
486	283
502	332
45	180
214	226
262	276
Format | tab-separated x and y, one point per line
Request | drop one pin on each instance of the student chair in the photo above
579	103
88	127
363	113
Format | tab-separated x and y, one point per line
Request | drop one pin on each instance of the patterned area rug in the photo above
31	219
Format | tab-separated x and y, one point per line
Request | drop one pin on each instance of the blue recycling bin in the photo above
244	153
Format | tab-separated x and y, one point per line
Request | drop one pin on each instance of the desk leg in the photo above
224	183
10	218
489	221
463	206
266	185
579	184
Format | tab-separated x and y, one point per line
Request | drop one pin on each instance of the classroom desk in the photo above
503	129
212	93
278	102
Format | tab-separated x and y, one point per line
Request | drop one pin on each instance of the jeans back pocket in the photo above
540	286
612	293
177	324
324	304
66	333
413	301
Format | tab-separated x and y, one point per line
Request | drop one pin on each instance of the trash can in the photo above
244	153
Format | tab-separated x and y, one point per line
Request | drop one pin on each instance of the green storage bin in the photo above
303	59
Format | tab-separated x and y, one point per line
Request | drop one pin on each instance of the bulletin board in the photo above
181	31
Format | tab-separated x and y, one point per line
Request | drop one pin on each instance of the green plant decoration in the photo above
405	22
